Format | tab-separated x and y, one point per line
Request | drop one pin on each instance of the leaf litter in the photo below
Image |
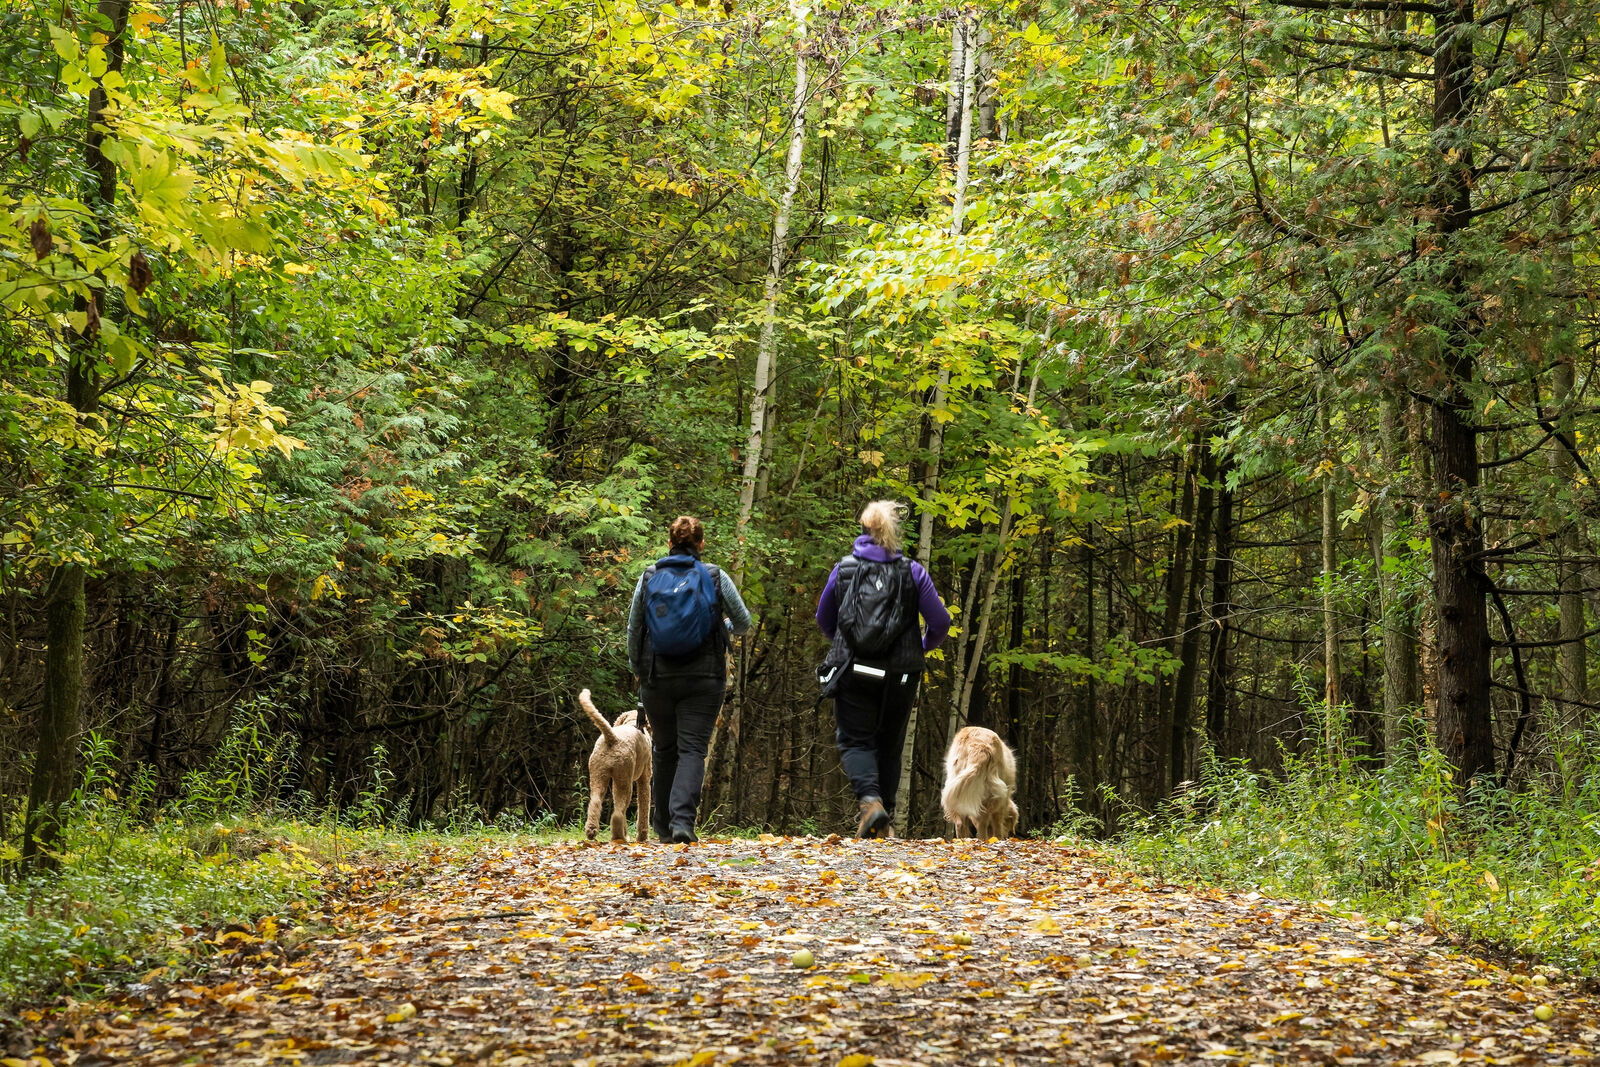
653	954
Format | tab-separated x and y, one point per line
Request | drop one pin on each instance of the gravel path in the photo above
923	952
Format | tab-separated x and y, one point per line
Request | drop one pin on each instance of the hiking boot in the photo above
874	819
682	834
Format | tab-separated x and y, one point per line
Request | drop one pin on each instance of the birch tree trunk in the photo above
962	58
1183	688
958	100
761	407
725	734
1330	563
1427	611
985	87
1172	615
963	161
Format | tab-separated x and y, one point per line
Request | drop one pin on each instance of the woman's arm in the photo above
733	603
932	608
828	605
636	631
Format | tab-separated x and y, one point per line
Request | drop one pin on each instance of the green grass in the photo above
145	888
1518	871
130	901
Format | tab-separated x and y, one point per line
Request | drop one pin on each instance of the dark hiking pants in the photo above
870	716
682	711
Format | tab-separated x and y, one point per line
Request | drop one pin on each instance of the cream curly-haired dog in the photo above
620	760
980	774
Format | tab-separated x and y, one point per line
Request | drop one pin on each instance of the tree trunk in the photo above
55	764
963	161
1171	636
1219	663
1571	664
1330	564
985	87
767	346
1465	728
1427	676
961	58
1399	646
725	734
1189	655
961	708
959	100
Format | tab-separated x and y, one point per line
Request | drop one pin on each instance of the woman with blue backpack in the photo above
683	611
870	610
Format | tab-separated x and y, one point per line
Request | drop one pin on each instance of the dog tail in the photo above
595	716
964	786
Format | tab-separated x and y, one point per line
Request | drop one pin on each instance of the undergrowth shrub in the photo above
1518	869
140	881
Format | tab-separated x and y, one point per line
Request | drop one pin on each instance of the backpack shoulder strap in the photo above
847	571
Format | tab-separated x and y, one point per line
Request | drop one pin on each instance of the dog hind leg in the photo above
597	799
621	793
643	790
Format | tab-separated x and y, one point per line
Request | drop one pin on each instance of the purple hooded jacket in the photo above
928	602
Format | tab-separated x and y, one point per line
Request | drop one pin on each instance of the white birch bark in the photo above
725	733
957	210
966	57
1330	619
767	346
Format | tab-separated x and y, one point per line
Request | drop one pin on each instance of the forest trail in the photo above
634	954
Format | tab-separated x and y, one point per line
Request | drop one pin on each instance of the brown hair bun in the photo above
686	532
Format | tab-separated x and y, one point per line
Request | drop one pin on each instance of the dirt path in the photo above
669	954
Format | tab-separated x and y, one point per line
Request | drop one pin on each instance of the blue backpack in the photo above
680	605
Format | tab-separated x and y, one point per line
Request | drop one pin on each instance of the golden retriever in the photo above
620	761
980	775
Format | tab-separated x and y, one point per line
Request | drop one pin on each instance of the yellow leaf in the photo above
899	980
1490	881
1046	925
857	1059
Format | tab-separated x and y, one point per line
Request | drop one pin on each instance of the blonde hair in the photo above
881	520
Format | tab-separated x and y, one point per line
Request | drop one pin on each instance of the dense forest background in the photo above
1235	361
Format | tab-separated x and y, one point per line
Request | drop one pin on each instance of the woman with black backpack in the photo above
869	610
678	626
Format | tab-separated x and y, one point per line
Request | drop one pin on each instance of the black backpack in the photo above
877	604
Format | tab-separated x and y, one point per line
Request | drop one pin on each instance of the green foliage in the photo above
144	891
1519	870
129	901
